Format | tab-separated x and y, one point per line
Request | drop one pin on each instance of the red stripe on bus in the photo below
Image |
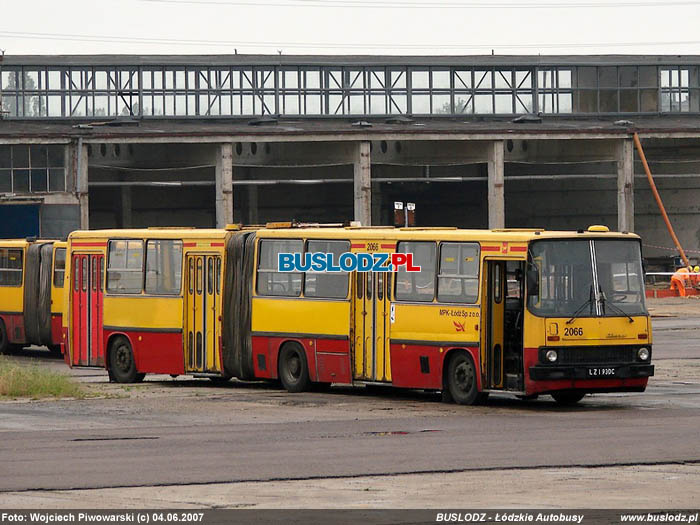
388	246
358	246
518	248
216	244
189	244
491	248
103	244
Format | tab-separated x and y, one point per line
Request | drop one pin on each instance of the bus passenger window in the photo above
59	267
10	267
417	286
125	266
163	267
322	284
458	277
270	280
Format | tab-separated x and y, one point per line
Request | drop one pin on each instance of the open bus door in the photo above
502	346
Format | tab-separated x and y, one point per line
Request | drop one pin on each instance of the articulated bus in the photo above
31	293
526	312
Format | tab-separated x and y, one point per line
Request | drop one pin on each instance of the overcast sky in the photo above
350	26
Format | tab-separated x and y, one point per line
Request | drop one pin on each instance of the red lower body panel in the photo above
56	329
613	384
154	352
328	359
14	325
421	366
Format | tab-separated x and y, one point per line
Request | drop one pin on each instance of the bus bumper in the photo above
551	373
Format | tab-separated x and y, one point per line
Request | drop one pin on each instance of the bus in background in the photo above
525	312
31	293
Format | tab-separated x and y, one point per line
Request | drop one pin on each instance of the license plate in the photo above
601	372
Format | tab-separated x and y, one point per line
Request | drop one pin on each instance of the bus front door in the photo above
492	347
87	321
371	331
202	313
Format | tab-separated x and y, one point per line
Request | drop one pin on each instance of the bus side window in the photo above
190	275
10	267
200	271
59	267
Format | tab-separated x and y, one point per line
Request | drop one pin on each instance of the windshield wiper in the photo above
603	300
580	308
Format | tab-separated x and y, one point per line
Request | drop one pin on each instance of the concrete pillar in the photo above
496	204
625	186
126	207
81	184
224	184
362	184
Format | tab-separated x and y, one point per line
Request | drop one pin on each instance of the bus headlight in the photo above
551	356
643	354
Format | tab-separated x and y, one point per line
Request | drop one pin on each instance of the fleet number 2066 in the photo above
573	332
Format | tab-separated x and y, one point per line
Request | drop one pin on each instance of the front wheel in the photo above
568	397
293	371
461	380
122	366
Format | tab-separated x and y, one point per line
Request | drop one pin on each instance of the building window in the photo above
35	168
125	267
675	95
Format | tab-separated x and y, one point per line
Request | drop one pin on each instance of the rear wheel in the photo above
293	371
568	397
461	380
122	366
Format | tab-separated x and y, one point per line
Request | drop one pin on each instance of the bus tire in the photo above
461	379
568	397
220	380
293	370
4	341
121	362
55	350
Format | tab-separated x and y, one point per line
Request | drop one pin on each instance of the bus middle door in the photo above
371	305
202	312
87	320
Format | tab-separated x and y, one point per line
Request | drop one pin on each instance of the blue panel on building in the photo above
19	221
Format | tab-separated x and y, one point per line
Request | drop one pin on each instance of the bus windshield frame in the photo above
587	278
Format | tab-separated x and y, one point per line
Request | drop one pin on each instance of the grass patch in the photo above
35	382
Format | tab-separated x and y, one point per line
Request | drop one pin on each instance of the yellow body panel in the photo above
57	296
142	311
585	331
301	316
436	322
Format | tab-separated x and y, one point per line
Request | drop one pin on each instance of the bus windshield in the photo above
569	278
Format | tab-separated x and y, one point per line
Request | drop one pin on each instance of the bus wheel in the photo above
121	362
568	397
293	371
4	341
461	379
220	380
55	350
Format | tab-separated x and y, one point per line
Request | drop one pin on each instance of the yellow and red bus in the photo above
31	293
525	312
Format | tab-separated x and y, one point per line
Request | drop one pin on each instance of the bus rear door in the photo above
88	291
202	312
